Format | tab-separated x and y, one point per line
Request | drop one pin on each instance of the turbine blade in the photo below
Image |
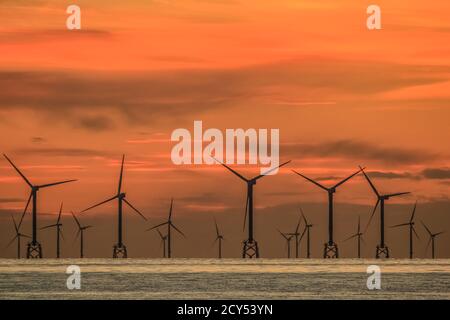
414	230
303	233
121	175
311	180
359	224
233	171
160	234
56	183
217	228
18	171
26	236
282	234
49	226
370	182
348	178
428	245
15	224
170	210
11	242
59	215
157	226
397	194
99	204
62	235
436	234
303	215
426	228
270	170
371	216
298	224
400	225
25	210
246	210
76	220
177	230
136	210
413	213
351	237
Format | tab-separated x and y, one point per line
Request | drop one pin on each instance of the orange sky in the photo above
73	101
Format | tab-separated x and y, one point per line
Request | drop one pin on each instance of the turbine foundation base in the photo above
250	250
34	250
120	251
330	251
382	252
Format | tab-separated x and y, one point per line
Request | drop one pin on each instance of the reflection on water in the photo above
224	279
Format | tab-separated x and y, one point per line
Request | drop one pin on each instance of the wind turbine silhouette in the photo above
34	248
296	234
411	230
382	249
432	237
17	236
58	226
120	250
163	242
358	235
170	225
308	226
330	248
81	234
288	239
219	238
250	249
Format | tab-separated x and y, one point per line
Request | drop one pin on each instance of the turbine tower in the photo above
288	239
59	234
219	238
120	250
411	230
170	225
432	237
250	249
330	248
382	250
17	236
81	234
357	235
34	248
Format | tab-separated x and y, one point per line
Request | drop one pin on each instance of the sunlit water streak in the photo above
224	279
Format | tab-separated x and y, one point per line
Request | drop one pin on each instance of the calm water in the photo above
224	279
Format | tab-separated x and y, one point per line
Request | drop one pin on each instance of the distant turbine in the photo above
120	250
411	230
250	249
382	249
358	235
58	226
163	242
296	234
288	239
80	233
34	248
170	225
219	238
17	236
308	226
432	237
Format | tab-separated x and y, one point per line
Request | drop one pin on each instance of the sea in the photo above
224	279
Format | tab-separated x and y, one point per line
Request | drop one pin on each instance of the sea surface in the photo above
224	279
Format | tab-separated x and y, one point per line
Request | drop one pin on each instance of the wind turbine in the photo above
80	233
382	249
170	225
163	242
308	226
250	249
296	234
432	237
330	248
58	226
288	239
18	236
219	238
120	250
411	230
34	248
358	235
